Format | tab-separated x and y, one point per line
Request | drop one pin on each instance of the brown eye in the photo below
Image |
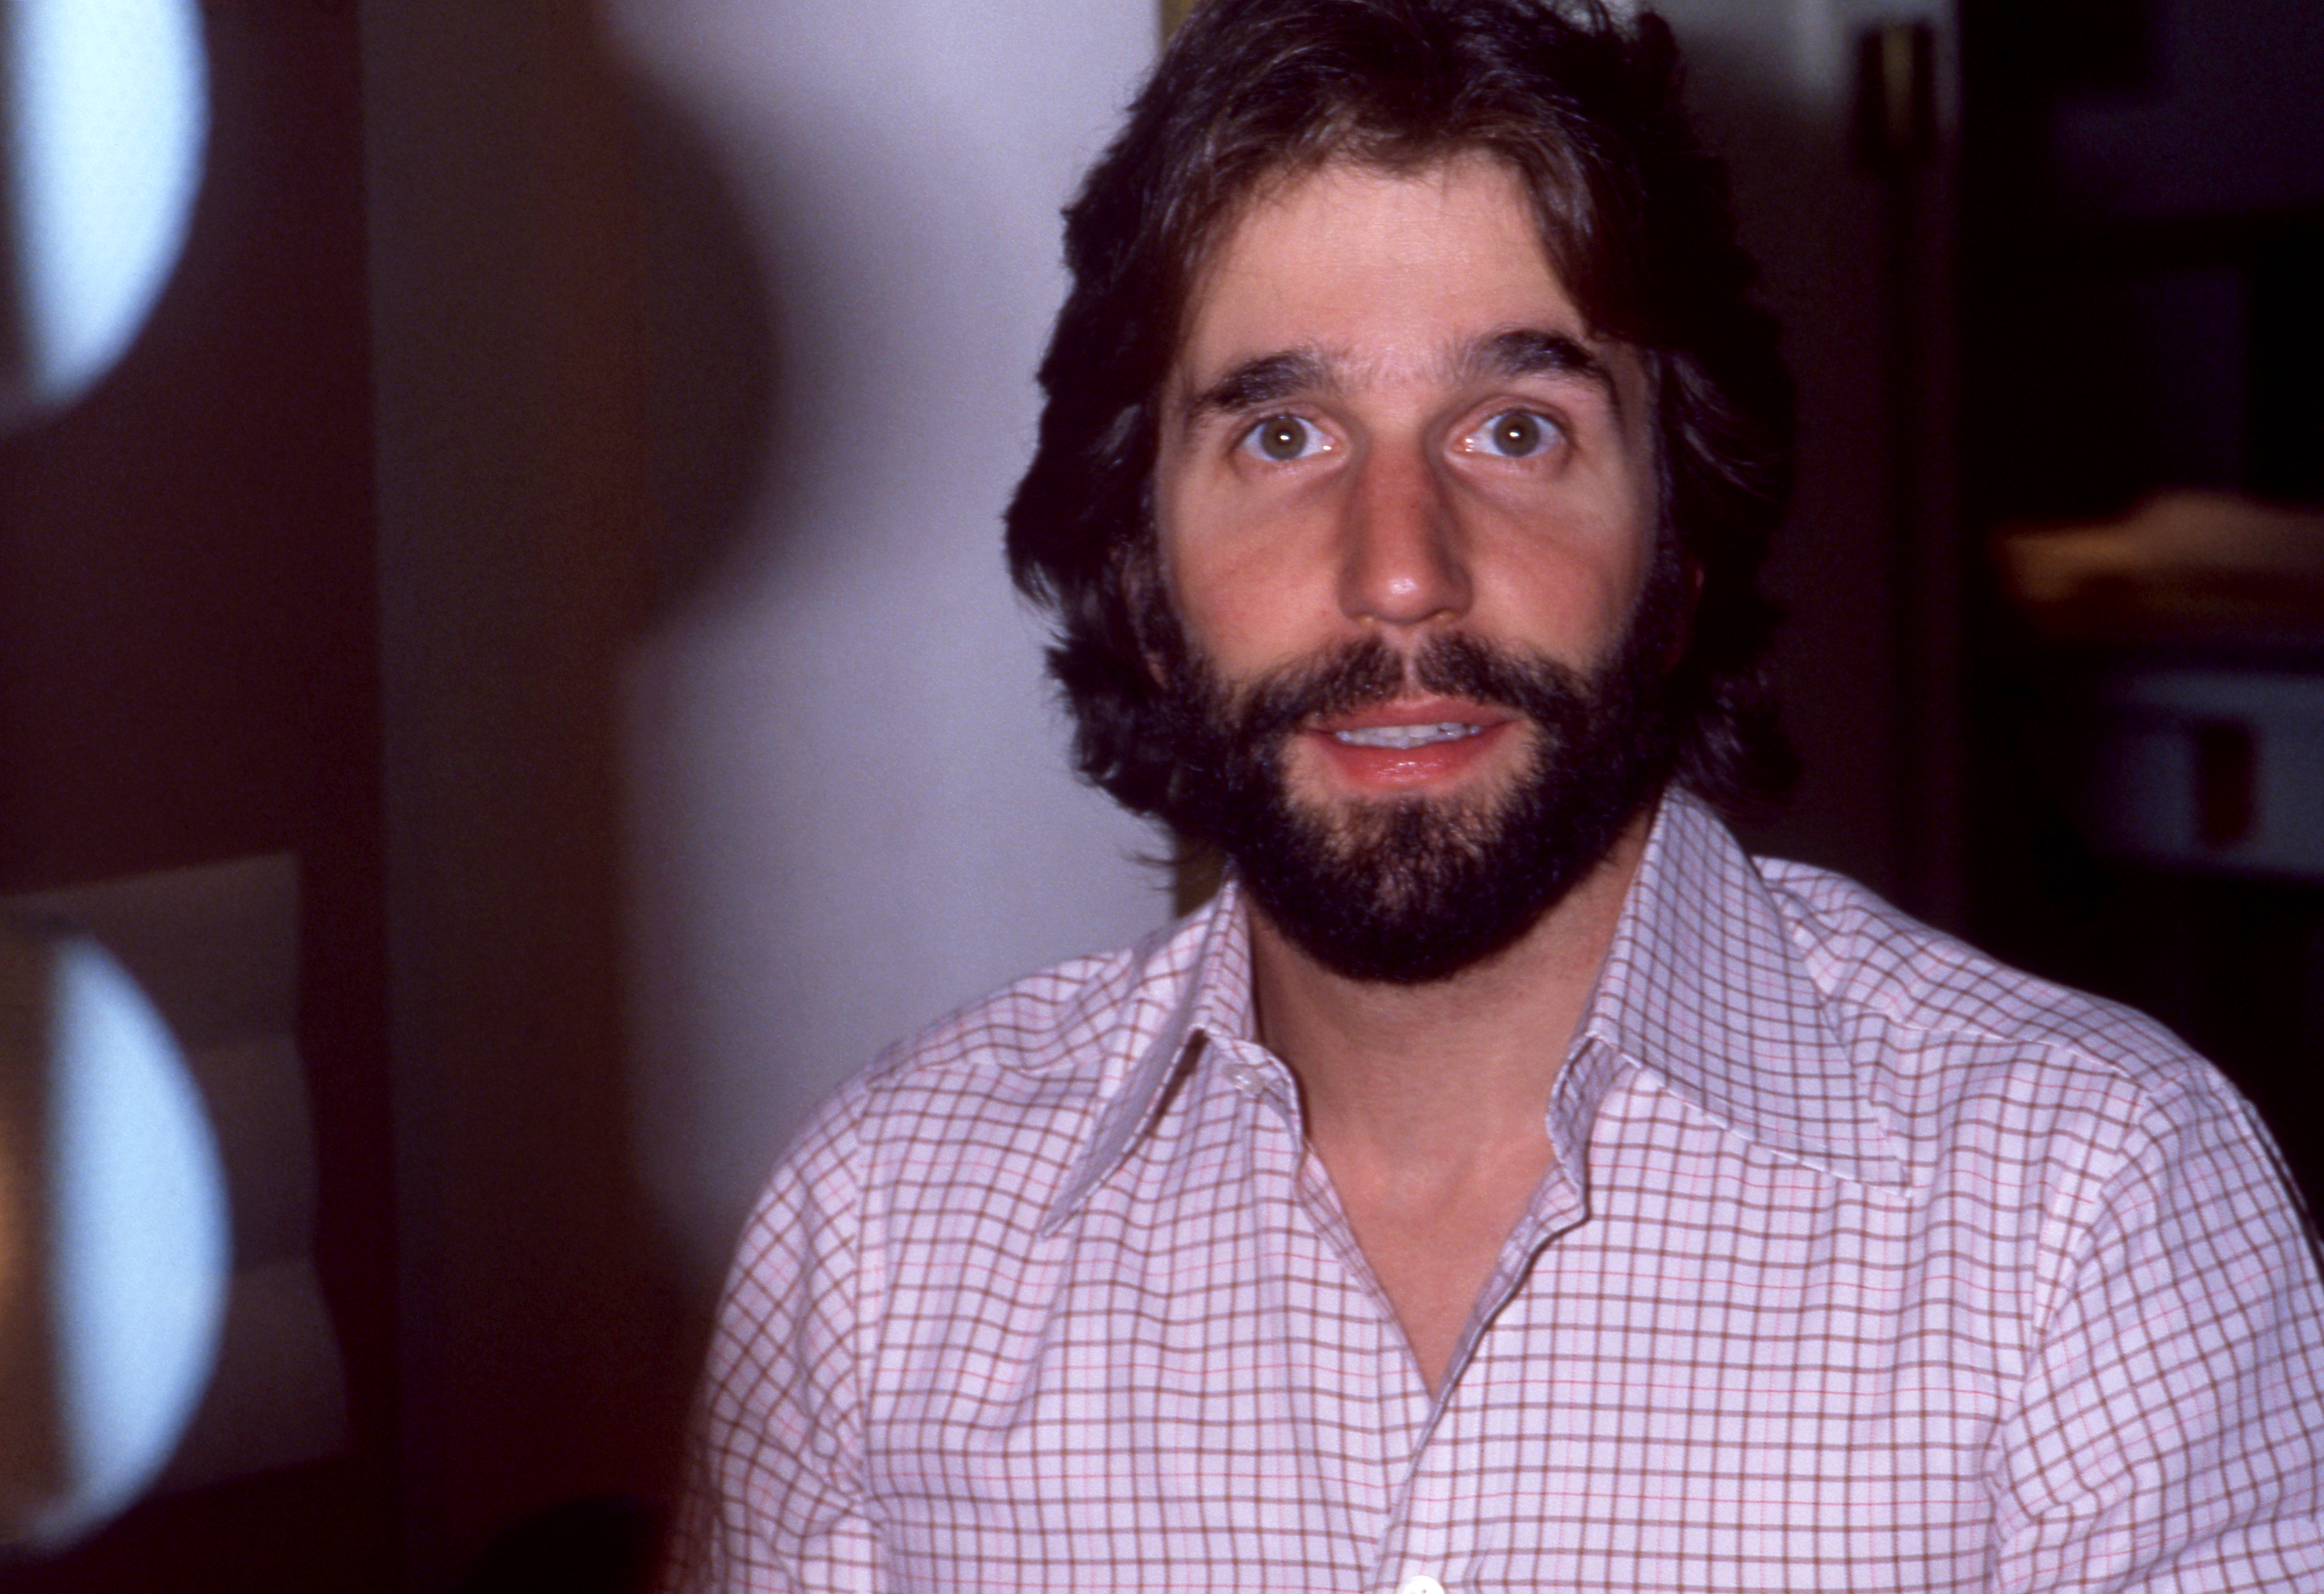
1513	434
1281	439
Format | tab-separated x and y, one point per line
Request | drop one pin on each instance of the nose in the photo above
1402	562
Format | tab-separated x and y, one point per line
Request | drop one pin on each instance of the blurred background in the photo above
538	569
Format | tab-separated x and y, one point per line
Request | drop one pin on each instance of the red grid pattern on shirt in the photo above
1867	1264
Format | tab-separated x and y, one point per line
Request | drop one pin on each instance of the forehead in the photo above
1348	253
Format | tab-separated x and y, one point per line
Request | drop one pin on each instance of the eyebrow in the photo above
1528	351
1254	383
1525	351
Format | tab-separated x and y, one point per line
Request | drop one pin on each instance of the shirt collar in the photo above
1197	974
1702	988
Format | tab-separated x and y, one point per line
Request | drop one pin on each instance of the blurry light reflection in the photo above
105	114
125	1259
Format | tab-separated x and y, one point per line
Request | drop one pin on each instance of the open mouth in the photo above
1401	737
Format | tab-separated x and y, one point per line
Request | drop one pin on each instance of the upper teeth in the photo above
1405	735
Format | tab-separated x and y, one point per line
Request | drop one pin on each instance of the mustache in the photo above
1358	674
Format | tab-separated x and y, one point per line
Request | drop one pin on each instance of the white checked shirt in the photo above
1866	1264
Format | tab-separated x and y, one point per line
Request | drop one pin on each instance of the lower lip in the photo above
1397	769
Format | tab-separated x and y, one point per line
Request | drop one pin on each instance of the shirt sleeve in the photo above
773	1496
2169	1435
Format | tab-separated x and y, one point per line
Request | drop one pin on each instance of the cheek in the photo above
1226	599
1624	550
1185	547
1569	595
1243	585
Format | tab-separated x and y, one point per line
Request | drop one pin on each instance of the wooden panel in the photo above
188	673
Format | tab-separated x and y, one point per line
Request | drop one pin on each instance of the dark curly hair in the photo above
1636	219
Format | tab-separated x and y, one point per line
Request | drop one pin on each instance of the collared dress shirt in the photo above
1864	1264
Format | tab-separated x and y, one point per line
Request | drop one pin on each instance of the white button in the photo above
1245	1078
1420	1582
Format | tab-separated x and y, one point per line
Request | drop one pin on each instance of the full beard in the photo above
1416	888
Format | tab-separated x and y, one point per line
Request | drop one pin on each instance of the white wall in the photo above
850	792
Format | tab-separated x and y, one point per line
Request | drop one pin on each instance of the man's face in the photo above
1406	515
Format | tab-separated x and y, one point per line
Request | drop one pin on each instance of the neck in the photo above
1441	1073
1428	1104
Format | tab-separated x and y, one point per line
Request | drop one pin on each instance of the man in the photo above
1505	1183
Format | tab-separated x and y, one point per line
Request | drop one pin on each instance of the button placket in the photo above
1426	1539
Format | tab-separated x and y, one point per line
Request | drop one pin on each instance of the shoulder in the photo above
2120	1169
1862	952
991	1104
1024	1062
1942	1022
